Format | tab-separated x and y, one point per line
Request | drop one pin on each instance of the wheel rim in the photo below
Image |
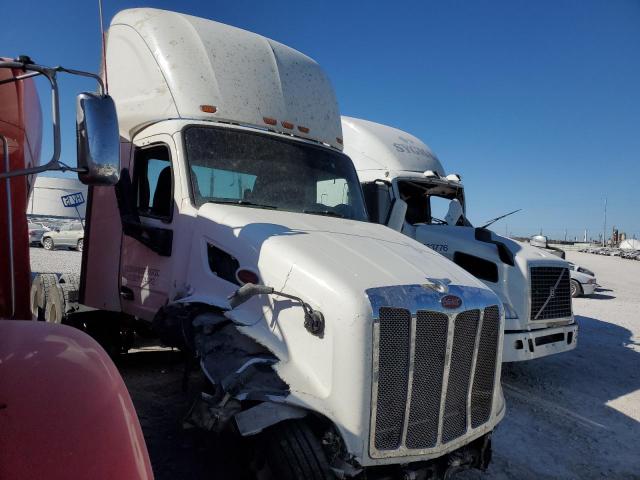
574	289
48	243
80	245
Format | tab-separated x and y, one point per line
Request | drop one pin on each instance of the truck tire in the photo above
47	243
44	283
33	299
294	452
72	279
54	308
576	288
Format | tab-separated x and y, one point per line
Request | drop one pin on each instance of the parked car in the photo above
583	281
68	235
36	231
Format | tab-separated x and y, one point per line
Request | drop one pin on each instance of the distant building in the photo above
45	199
630	244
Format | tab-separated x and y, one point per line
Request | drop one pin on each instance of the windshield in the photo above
433	202
256	170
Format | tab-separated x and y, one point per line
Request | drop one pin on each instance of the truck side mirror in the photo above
98	139
397	215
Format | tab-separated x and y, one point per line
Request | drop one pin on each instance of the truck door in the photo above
146	257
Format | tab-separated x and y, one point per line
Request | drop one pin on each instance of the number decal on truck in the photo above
438	247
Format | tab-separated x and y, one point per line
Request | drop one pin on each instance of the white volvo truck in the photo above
350	348
406	188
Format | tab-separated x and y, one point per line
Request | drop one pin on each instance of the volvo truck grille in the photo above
550	293
434	377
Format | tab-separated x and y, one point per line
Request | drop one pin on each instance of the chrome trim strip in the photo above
445	376
474	361
412	361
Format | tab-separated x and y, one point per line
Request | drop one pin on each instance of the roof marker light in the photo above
303	129
270	121
208	108
430	174
287	125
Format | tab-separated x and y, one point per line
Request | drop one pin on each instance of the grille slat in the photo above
429	361
485	373
455	408
393	374
399	392
550	293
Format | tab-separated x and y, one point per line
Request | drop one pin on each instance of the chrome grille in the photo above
550	293
392	379
455	407
434	377
429	360
485	374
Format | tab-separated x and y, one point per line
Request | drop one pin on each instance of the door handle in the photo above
126	293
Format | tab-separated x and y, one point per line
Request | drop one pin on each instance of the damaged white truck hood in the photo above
334	265
359	255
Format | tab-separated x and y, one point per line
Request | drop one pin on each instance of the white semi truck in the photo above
346	345
406	188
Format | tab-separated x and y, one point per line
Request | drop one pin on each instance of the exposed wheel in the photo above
54	309
79	245
47	243
44	284
293	452
576	288
33	299
72	279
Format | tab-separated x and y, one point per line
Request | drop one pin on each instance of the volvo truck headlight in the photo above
509	311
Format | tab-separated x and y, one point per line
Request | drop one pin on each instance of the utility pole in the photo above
604	227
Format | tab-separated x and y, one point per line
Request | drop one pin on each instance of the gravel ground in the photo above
577	415
574	415
56	261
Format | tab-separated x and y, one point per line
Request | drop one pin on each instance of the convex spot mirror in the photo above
98	139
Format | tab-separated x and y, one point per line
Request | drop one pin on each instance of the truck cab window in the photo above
153	181
264	171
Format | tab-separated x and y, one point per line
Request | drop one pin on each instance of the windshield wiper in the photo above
328	213
244	203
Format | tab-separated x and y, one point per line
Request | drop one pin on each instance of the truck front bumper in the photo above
527	345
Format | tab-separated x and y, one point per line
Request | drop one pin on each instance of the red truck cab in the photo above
64	409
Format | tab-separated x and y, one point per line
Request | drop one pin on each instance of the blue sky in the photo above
537	104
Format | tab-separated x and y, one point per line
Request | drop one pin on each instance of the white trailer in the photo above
346	345
406	188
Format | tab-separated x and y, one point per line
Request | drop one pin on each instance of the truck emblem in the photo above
451	301
552	292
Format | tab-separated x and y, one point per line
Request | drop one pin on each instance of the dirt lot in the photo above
576	415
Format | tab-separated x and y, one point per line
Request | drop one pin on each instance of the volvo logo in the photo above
451	301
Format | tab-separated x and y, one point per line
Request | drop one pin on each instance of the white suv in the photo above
68	235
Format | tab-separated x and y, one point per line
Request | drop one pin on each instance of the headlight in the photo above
509	311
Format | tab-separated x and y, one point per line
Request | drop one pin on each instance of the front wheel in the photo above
576	289
293	452
47	243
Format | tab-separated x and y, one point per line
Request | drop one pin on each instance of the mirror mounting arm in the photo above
32	70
